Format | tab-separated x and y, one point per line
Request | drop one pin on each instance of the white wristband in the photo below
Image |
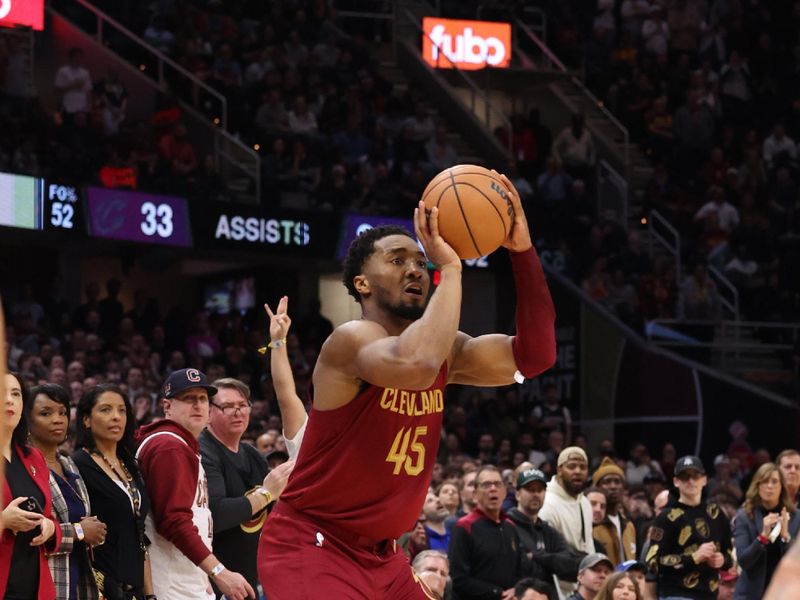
219	568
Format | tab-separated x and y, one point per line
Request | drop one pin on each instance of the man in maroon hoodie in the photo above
179	524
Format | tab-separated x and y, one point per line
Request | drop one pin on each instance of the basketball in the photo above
475	211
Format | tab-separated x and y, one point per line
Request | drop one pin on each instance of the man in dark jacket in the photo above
546	549
486	559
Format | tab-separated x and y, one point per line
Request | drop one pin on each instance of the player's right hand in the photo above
426	226
279	321
234	586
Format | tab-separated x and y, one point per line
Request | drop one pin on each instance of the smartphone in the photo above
31	504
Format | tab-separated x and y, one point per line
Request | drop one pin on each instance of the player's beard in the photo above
405	311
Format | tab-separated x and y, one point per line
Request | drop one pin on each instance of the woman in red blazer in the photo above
25	534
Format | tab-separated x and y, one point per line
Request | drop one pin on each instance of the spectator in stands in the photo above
74	83
779	149
727	217
353	146
763	529
301	120
551	414
238	496
546	548
640	465
593	571
181	522
272	117
637	571
28	531
597	500
532	589
48	416
158	35
177	151
112	99
420	125
690	523
433	567
655	32
565	507
693	127
435	514
574	148
620	586
116	490
727	584
699	299
616	533
442	155
789	463
485	554
449	496
723	482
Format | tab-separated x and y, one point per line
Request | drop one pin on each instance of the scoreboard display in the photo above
137	217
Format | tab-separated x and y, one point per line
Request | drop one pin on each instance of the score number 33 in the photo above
408	452
157	220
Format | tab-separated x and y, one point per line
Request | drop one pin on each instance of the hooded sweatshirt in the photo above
572	517
170	469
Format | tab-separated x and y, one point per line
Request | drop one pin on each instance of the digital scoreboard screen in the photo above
21	201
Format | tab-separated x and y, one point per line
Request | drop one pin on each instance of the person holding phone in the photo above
28	526
763	530
48	420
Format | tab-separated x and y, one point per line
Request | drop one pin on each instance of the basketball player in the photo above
366	460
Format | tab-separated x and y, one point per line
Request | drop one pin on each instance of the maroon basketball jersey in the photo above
366	466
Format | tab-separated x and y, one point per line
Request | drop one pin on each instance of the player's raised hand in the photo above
519	239
426	226
279	321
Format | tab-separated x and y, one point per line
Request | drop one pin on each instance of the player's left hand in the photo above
519	239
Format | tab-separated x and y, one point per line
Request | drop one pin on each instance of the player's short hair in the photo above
419	558
231	383
361	249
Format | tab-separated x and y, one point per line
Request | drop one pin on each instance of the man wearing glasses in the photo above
486	559
179	525
239	488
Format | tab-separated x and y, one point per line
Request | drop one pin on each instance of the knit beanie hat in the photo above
607	467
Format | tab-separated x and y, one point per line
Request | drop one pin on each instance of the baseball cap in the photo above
570	453
277	454
689	462
594	559
631	564
525	477
185	379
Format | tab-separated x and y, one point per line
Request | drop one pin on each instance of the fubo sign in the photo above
452	43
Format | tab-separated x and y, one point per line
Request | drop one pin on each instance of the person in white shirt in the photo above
74	83
778	144
727	215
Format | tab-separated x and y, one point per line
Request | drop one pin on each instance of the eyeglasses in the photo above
485	485
230	410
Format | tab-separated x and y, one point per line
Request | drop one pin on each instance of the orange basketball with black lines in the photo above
475	211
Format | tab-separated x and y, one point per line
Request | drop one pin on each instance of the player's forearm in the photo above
535	341
429	339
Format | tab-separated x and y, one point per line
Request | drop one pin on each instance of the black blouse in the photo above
122	555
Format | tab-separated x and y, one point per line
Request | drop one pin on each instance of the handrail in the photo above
551	57
721	278
585	91
621	184
674	249
162	58
475	89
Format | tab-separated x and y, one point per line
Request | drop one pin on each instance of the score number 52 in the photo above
408	452
157	220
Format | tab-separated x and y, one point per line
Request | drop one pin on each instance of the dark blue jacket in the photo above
752	554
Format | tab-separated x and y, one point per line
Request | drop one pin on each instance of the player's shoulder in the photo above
354	333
